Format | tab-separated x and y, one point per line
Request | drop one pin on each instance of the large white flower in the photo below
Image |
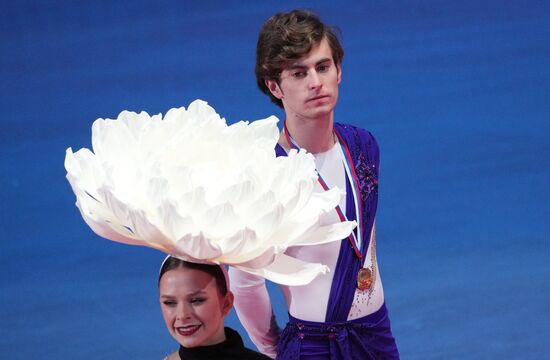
193	187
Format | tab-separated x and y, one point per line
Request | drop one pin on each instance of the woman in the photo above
194	299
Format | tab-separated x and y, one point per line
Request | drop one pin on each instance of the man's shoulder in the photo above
360	142
356	133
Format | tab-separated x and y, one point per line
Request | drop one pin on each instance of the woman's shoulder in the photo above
172	356
249	354
245	353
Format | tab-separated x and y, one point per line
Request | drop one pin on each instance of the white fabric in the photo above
307	302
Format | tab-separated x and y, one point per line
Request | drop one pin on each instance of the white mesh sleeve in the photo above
254	310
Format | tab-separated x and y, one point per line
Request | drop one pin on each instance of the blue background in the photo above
457	94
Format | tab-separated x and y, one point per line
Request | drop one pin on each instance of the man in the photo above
340	315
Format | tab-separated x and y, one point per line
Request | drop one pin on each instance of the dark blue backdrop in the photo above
457	94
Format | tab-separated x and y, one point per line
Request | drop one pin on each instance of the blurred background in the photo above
456	93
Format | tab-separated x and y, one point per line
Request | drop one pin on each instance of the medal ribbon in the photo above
354	239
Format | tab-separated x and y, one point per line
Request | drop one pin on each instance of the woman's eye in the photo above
169	303
197	300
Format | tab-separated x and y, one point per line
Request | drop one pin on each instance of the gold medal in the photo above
364	279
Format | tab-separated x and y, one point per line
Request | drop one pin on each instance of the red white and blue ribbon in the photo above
354	238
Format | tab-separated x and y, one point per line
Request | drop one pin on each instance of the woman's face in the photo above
192	307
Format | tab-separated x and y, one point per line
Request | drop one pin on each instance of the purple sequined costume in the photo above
369	337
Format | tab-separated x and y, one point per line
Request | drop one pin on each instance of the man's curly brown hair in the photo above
289	36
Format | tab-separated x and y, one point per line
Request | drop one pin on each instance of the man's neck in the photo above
314	135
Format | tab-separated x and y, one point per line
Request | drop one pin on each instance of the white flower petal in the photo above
192	186
289	271
196	246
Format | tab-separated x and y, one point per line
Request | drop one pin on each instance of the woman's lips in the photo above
187	330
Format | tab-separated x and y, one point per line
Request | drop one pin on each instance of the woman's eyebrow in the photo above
194	293
197	292
191	292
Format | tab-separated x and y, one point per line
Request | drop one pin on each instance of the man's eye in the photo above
323	68
299	74
169	302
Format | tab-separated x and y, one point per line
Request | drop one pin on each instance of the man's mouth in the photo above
318	98
187	330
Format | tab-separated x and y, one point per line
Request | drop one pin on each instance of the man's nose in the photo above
314	80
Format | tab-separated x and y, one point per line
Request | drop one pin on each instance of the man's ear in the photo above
227	303
339	70
274	88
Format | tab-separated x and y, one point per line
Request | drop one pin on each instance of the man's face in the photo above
308	86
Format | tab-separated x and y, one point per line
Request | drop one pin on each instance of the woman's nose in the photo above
183	312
